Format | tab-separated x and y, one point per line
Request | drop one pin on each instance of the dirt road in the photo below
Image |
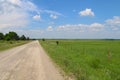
27	62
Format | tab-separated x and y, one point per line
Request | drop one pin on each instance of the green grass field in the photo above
10	44
86	59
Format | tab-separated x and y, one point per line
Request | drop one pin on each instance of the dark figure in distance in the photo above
57	42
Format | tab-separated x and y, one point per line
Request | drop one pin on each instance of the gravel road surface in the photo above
27	62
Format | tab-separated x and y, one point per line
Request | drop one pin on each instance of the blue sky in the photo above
82	19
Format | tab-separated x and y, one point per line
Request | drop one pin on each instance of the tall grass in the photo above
86	59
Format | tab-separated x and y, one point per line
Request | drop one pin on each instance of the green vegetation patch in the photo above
86	59
10	44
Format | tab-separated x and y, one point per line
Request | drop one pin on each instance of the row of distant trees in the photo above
12	36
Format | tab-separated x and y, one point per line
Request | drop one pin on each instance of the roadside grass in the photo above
86	59
4	45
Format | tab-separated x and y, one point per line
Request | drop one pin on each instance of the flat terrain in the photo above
86	59
4	45
27	62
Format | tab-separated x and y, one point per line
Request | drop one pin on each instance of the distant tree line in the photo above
12	36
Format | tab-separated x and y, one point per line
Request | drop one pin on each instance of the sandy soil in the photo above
27	62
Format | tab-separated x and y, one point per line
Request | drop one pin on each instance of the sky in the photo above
63	19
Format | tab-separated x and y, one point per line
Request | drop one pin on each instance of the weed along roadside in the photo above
86	59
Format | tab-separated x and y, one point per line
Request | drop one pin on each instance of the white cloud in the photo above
50	28
96	26
93	30
52	12
114	23
12	15
36	17
81	27
15	13
53	16
110	24
87	12
72	28
16	2
18	13
13	20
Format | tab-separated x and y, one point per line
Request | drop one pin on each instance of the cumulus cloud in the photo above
13	19
36	17
96	26
72	27
114	23
87	12
15	13
81	27
109	24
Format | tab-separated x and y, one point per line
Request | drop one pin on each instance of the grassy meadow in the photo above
10	44
86	59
